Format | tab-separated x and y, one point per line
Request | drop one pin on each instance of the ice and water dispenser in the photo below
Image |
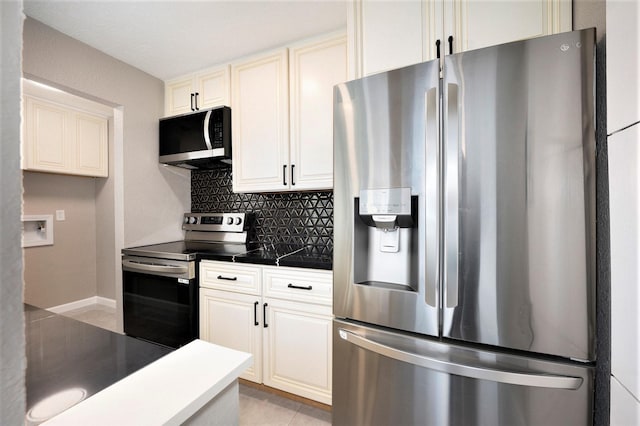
386	238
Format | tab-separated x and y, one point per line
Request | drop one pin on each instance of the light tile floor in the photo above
98	315
257	407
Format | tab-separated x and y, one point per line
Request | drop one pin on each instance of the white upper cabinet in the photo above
283	116
386	35
63	133
206	89
260	99
314	68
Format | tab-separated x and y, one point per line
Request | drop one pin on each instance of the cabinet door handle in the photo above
197	109
438	48
450	40
220	277
300	287
284	175
192	97
264	315
255	313
292	182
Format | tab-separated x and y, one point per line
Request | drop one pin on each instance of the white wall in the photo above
12	349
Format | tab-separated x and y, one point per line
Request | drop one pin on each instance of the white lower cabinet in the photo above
297	349
232	320
281	315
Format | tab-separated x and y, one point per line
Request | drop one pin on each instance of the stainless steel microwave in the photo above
197	140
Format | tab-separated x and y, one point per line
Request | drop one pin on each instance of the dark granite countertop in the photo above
300	256
63	354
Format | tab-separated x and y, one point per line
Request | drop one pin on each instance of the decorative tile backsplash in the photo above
292	217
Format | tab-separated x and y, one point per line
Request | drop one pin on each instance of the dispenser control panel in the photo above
387	201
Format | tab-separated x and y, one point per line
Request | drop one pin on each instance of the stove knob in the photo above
186	219
229	221
238	220
193	219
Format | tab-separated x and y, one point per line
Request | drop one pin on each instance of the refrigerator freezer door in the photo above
387	378
386	186
519	196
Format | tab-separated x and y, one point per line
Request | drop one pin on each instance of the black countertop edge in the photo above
264	258
306	263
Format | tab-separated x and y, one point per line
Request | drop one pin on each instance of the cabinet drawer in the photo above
298	284
230	277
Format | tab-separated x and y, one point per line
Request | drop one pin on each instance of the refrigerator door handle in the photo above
432	218
452	147
465	370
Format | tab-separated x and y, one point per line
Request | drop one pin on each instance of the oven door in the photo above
160	300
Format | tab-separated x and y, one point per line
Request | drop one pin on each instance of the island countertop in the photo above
65	355
121	379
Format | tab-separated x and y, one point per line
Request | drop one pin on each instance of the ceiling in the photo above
170	38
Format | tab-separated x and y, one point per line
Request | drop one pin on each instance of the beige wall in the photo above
155	197
590	13
65	271
141	202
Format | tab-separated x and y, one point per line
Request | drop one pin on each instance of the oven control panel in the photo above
220	222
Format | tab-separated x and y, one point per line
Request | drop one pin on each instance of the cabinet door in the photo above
233	320
260	102
46	130
91	145
213	88
178	96
297	349
476	23
314	69
390	34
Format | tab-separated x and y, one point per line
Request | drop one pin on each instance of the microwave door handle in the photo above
207	139
147	267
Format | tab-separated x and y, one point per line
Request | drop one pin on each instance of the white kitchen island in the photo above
196	384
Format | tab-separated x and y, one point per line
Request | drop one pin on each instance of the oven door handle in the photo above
133	265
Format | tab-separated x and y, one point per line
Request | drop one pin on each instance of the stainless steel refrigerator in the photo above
464	239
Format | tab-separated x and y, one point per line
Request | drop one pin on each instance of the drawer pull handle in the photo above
300	287
220	277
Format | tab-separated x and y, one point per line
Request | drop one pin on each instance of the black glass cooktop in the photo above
188	250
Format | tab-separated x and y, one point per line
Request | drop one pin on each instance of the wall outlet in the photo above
60	215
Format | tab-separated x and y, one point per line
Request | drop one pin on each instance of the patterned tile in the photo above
293	217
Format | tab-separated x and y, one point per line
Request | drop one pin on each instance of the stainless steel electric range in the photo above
160	281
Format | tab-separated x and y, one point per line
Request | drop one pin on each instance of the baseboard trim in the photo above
287	395
95	300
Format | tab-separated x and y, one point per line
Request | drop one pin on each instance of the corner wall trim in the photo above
95	300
